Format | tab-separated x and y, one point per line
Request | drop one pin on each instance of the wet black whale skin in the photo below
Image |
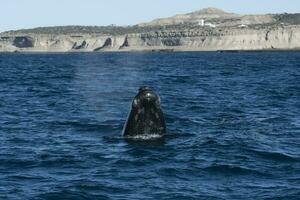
146	116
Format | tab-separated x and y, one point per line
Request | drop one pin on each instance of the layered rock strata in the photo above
214	39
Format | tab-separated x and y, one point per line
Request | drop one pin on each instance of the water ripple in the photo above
232	119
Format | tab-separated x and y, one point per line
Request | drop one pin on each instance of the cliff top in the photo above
212	11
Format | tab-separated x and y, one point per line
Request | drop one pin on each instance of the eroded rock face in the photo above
23	42
125	43
276	37
107	44
80	46
171	41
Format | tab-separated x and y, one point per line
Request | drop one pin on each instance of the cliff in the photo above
258	32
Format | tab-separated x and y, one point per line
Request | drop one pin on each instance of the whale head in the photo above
146	118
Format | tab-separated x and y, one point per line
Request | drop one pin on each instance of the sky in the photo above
17	14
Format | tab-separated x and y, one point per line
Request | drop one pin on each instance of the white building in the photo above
210	25
201	22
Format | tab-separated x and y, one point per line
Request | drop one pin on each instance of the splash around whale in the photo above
146	120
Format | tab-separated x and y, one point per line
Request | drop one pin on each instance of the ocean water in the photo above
233	123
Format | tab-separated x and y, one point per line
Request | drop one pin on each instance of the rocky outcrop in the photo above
280	37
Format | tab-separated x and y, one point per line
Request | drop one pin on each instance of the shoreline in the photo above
153	51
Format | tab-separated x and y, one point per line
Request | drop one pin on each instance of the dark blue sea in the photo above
233	122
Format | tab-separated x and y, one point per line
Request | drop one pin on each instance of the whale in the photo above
146	118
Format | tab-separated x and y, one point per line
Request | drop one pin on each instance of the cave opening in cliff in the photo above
23	42
107	43
125	44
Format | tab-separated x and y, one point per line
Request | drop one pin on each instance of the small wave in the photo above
67	194
276	156
25	177
233	170
59	161
145	137
89	126
210	142
17	163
